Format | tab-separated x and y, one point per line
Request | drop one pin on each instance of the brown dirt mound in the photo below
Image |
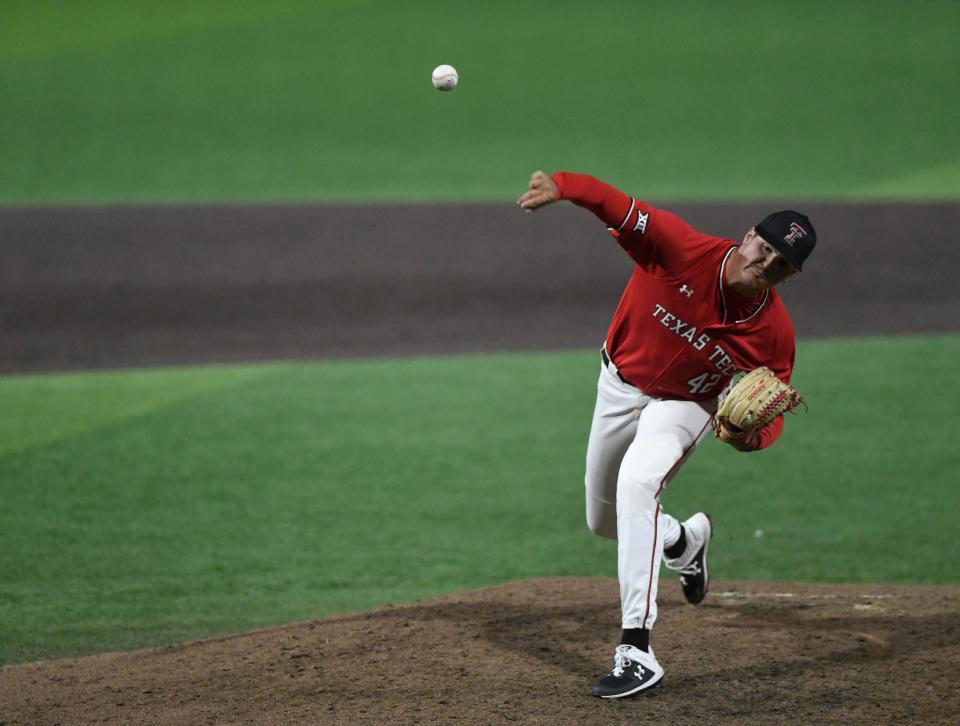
528	652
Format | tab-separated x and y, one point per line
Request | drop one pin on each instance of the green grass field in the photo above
106	101
146	507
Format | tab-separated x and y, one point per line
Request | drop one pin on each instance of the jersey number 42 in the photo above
703	383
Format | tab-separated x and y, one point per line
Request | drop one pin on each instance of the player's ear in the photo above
749	235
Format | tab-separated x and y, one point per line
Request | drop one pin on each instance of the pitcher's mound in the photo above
528	652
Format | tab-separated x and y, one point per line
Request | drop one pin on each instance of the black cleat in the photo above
633	671
692	564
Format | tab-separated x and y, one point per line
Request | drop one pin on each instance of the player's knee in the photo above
603	527
601	517
603	523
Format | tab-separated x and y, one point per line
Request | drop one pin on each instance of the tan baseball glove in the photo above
751	403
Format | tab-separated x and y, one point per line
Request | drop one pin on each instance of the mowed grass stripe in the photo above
230	497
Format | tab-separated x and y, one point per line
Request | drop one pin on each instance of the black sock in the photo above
676	549
637	637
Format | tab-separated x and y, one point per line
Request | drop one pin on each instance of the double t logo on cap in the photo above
790	233
796	231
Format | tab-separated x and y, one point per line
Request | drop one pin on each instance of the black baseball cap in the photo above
790	233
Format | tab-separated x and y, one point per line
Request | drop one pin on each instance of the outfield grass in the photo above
107	101
146	507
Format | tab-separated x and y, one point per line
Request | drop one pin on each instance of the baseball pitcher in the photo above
697	311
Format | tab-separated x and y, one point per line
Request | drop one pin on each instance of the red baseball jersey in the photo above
680	332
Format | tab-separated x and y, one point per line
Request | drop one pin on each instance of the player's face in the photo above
763	266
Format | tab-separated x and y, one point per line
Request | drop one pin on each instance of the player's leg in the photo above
671	528
666	433
613	429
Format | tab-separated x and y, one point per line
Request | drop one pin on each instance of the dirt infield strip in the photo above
122	287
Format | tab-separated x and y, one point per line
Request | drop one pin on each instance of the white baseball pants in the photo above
637	443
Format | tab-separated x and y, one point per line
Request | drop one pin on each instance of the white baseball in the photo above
445	78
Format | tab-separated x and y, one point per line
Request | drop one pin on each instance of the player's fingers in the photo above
532	200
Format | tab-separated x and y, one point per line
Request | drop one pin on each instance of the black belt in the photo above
606	364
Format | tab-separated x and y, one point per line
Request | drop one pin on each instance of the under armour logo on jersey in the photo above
641	225
684	290
796	232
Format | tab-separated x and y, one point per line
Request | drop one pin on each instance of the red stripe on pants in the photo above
653	555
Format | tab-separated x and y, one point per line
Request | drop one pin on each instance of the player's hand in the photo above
540	192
